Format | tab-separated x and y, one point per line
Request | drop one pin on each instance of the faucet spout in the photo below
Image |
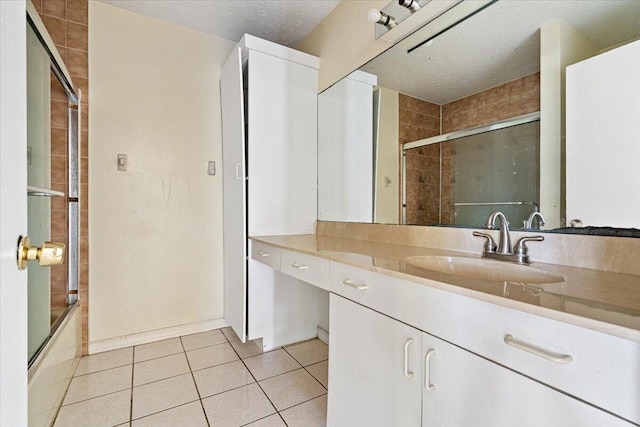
504	244
528	223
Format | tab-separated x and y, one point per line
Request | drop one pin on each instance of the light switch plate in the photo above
211	168
122	162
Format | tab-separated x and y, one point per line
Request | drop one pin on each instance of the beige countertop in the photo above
603	301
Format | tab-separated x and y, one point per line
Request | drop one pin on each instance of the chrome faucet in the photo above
502	251
527	224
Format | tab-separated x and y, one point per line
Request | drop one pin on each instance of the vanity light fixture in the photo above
412	5
377	17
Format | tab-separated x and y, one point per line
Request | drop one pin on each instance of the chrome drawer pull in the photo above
407	372
299	266
263	253
556	358
359	286
427	368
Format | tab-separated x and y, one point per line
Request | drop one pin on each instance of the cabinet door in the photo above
463	389
234	195
370	384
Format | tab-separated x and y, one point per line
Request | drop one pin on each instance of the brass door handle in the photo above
50	253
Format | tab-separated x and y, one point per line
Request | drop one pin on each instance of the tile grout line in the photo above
305	368
133	363
206	418
258	383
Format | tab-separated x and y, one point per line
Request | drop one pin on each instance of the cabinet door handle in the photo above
553	357
359	286
263	253
407	344
427	375
299	266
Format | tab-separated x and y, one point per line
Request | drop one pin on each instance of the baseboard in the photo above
155	335
323	335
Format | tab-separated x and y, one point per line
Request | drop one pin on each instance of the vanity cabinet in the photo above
374	368
383	372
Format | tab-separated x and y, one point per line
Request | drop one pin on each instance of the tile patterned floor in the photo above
205	379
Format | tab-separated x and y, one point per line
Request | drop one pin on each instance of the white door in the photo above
13	213
234	194
462	389
374	368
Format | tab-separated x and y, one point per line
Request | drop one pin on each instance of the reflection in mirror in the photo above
506	61
460	180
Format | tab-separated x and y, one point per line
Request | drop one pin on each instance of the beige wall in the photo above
344	40
156	230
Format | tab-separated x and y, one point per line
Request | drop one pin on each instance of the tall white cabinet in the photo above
603	138
345	151
269	127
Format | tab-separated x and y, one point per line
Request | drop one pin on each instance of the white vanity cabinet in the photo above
374	368
383	372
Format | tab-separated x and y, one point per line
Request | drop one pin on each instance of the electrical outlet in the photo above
211	168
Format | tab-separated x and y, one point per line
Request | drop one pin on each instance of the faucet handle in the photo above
490	245
521	247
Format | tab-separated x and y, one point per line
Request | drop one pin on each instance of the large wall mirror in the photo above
443	129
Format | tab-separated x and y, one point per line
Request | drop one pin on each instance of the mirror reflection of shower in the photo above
461	177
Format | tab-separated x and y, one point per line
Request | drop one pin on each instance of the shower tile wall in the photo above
67	21
511	99
418	120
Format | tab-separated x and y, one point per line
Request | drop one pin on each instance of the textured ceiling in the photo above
499	44
282	21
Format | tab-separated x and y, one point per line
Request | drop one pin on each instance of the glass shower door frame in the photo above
73	185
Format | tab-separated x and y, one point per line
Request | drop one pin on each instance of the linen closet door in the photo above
234	194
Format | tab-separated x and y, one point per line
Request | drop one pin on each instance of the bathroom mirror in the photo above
425	93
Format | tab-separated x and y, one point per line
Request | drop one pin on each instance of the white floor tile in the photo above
320	371
270	421
309	352
108	410
159	369
237	407
191	415
157	349
211	356
98	384
203	339
247	349
221	378
228	332
309	414
292	388
271	364
161	395
103	361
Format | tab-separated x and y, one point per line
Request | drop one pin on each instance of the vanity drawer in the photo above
307	268
366	287
266	254
600	369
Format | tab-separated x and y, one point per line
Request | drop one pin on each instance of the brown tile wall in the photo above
511	99
68	24
418	120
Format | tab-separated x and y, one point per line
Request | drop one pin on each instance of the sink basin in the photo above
478	268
